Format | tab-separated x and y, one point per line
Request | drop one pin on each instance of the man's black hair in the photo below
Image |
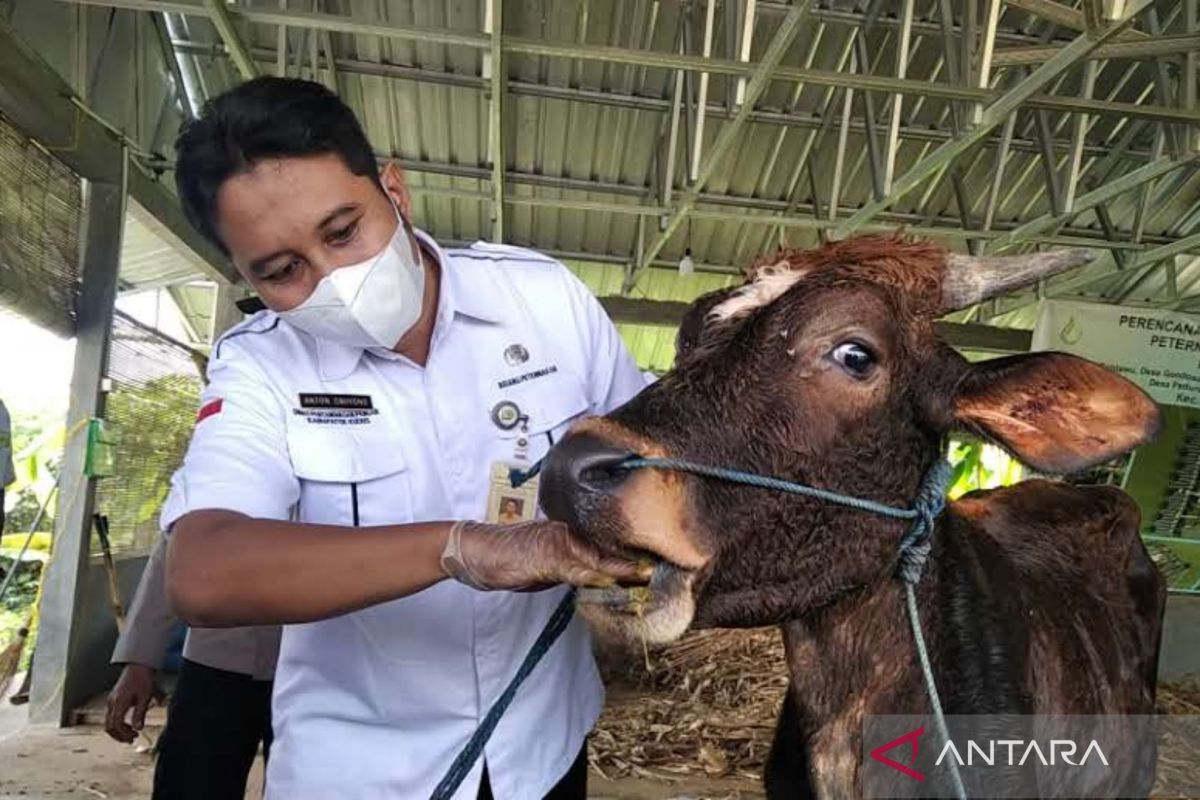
262	118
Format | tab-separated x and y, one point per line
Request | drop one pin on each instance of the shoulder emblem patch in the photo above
208	409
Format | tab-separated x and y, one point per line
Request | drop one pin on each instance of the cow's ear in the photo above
1056	412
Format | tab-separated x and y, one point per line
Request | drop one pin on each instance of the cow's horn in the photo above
969	279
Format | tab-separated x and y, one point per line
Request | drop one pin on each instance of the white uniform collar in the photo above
454	297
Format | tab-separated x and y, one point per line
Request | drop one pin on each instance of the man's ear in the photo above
1056	412
391	175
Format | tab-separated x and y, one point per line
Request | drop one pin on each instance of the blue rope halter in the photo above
914	549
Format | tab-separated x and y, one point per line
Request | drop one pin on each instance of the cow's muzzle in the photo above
579	473
588	482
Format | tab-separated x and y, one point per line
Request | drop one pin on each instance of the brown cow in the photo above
824	369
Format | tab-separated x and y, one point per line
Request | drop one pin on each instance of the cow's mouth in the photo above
635	514
657	613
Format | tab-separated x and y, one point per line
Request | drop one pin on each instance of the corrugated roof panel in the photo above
431	121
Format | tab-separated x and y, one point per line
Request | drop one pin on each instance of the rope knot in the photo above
929	503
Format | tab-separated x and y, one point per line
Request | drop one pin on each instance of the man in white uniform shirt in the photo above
347	453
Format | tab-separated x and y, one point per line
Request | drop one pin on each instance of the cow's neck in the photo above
853	658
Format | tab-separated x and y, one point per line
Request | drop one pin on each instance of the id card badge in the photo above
506	505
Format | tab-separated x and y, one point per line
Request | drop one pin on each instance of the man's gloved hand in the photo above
134	690
531	555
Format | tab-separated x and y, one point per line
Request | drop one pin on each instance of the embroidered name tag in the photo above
336	401
336	409
528	376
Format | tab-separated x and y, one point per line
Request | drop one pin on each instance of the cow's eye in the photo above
854	358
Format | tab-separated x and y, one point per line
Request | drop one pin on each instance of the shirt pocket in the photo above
350	477
550	407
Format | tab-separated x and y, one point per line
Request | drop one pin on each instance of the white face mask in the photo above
369	304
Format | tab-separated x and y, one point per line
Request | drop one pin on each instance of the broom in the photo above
110	570
10	657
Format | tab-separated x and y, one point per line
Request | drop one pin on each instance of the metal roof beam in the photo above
1191	66
668	175
987	47
655	58
1079	130
281	46
1163	88
958	73
814	138
710	12
759	82
989	214
623	100
858	18
1106	192
839	153
1049	161
893	134
860	81
863	64
1170	44
1066	17
767	208
807	217
1144	275
171	62
218	12
992	116
1146	261
745	40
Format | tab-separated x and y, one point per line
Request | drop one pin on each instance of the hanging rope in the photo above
474	748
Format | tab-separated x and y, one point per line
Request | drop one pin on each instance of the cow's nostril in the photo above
581	464
601	471
592	464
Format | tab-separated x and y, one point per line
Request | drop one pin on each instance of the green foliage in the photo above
37	449
150	424
978	465
21	593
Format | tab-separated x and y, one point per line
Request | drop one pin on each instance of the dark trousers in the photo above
215	722
573	785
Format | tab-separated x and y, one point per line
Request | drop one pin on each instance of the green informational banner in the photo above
1157	350
1160	352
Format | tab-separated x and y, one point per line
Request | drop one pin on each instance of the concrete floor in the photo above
82	763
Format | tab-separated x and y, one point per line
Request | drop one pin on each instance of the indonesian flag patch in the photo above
208	409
